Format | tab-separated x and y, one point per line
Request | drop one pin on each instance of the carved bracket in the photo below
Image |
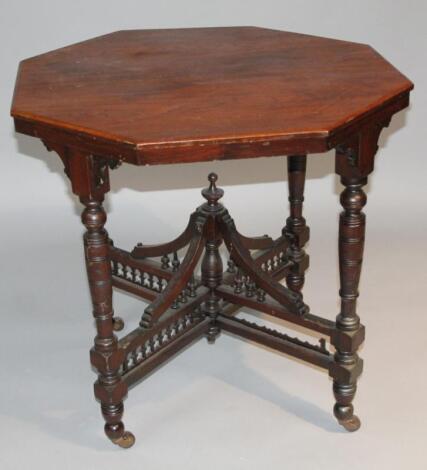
89	174
355	157
62	152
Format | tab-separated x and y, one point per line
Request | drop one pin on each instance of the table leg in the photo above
351	242
105	355
296	228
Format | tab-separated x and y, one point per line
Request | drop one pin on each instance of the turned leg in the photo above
105	355
349	332
296	229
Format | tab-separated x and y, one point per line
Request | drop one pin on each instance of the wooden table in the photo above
190	95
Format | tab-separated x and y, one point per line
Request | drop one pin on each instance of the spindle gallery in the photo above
191	95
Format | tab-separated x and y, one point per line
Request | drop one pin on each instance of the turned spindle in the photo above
296	228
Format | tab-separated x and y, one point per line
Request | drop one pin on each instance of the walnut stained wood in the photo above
169	96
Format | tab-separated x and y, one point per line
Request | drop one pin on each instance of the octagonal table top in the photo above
165	96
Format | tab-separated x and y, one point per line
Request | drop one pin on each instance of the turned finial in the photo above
212	194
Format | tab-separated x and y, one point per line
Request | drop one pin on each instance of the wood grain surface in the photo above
162	96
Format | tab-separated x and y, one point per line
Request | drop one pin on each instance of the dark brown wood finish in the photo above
296	228
106	357
182	95
212	269
354	161
169	96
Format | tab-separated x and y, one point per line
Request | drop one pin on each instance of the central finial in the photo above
212	194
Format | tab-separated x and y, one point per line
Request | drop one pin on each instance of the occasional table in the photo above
152	97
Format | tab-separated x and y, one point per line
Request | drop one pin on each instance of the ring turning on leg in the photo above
349	333
296	229
105	355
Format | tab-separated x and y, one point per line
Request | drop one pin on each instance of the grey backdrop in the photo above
233	405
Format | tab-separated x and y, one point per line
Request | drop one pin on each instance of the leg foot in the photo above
343	409
114	427
125	441
352	424
118	324
212	333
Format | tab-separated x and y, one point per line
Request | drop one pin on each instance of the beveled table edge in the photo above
208	150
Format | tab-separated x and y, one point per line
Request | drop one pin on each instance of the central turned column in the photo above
212	267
